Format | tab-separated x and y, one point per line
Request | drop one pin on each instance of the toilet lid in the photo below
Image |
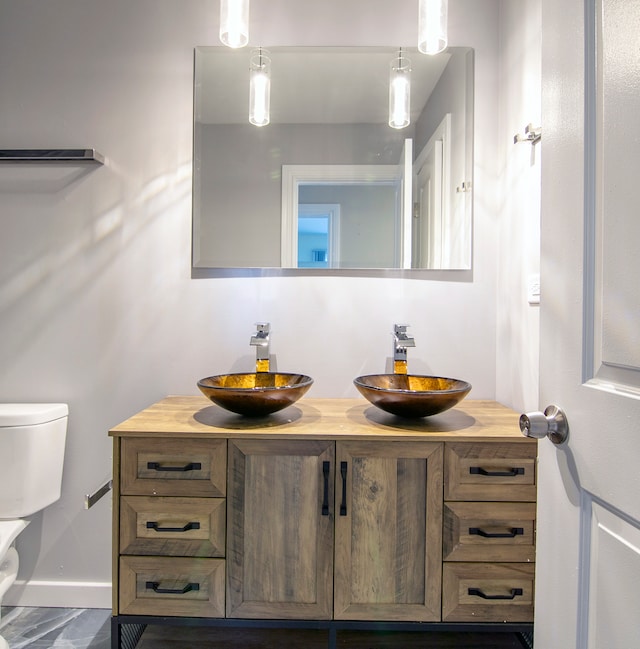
27	414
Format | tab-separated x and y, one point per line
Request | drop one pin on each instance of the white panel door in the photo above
428	231
588	564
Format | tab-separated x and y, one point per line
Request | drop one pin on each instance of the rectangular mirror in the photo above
328	183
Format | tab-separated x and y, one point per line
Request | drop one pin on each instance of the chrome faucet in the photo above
260	340
401	340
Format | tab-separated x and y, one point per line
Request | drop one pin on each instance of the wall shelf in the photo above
51	155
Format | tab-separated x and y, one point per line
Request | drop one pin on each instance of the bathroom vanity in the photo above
330	514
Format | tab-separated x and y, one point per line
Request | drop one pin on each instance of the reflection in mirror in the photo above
328	184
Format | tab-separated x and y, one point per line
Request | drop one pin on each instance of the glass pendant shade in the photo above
400	92
259	87
234	22
432	26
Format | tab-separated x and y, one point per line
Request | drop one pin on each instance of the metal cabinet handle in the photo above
326	469
515	531
478	470
191	466
343	474
551	423
153	525
478	593
155	587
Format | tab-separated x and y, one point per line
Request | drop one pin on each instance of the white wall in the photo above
96	301
519	211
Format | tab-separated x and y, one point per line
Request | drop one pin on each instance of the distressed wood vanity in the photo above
330	514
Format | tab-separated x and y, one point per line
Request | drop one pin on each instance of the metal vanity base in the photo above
127	630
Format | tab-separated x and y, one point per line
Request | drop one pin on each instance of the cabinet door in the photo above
280	529
388	531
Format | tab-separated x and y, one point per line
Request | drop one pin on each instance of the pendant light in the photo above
400	91
234	22
259	87
432	26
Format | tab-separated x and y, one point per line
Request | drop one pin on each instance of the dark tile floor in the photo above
60	628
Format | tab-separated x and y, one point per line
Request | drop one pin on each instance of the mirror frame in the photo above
456	274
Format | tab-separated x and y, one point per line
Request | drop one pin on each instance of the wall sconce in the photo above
259	87
400	91
432	26
234	22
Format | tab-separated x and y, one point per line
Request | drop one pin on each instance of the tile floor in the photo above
60	628
56	628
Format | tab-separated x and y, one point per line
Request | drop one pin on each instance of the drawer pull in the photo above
478	593
192	466
478	470
155	587
326	468
515	531
153	525
343	474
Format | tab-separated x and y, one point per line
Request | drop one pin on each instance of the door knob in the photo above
551	423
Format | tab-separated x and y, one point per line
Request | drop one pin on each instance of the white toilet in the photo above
32	439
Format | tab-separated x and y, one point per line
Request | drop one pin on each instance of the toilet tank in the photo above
32	440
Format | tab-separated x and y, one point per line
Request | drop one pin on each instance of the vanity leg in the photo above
125	635
115	634
333	637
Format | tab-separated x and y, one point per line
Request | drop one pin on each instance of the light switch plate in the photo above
533	289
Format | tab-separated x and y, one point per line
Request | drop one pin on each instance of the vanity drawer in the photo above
177	527
173	467
487	592
172	586
496	471
479	531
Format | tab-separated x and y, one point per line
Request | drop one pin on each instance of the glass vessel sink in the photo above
411	395
255	394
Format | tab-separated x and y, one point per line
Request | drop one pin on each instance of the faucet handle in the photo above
402	340
261	337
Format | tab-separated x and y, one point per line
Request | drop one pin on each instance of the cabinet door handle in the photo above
155	587
326	469
153	525
191	466
343	474
515	531
478	470
478	593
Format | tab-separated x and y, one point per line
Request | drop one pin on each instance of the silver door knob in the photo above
551	423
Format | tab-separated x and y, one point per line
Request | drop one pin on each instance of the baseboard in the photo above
59	594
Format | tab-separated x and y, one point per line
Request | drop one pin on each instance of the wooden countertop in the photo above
197	417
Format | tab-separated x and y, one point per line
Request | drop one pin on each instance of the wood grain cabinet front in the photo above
487	592
177	527
388	544
489	532
174	467
386	519
280	529
172	527
172	586
490	471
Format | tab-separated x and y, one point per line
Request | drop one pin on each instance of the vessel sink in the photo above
412	395
255	394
